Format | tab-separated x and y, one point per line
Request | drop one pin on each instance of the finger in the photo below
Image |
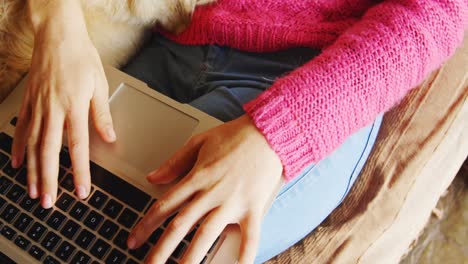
34	132
78	144
50	149
100	111
162	209
207	234
21	134
179	164
179	227
250	236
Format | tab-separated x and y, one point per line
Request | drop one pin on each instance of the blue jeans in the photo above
219	80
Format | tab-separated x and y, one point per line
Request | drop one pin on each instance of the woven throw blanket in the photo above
421	145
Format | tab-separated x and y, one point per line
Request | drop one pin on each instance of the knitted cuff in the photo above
275	120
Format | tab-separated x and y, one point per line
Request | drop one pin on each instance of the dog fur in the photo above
116	27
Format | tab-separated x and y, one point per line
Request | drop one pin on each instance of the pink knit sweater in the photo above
374	52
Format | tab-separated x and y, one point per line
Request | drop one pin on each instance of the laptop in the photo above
150	127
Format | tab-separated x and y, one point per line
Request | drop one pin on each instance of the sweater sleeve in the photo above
371	66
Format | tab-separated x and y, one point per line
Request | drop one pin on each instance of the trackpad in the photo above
148	130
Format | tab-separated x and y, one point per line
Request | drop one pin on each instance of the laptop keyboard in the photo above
91	231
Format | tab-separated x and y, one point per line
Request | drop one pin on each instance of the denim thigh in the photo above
214	79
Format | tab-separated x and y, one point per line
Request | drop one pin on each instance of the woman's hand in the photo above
66	79
232	175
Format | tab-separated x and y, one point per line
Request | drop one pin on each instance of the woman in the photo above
360	59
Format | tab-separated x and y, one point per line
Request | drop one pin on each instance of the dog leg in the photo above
16	44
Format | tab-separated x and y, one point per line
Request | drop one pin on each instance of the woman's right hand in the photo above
66	81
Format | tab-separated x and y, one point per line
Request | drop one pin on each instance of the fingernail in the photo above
46	200
148	177
151	174
131	242
81	192
14	162
111	134
33	191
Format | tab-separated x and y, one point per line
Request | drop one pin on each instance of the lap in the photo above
218	81
225	103
308	199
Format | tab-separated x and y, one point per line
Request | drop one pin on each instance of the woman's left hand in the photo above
231	176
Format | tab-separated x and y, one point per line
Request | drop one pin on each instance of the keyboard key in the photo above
89	195
50	260
28	204
13	121
41	213
98	199
22	242
141	252
3	159
150	205
10	171
22	222
22	177
127	218
70	229
108	229
79	210
50	241
99	249
81	258
115	257
65	160
84	239
169	220
36	252
2	202
8	232
171	261
155	236
16	192
5	184
93	220
56	220
132	261
67	182
120	189
190	235
65	201
112	208
9	213
65	251
5	142
36	231
179	251
62	173
121	239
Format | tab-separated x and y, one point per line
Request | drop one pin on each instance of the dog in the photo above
117	28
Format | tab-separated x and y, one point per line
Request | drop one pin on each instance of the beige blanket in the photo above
421	145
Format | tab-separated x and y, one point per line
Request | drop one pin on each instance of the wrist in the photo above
56	19
258	136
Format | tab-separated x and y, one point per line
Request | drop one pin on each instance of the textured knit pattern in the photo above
374	52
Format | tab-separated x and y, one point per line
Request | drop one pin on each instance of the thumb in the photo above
101	115
179	164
